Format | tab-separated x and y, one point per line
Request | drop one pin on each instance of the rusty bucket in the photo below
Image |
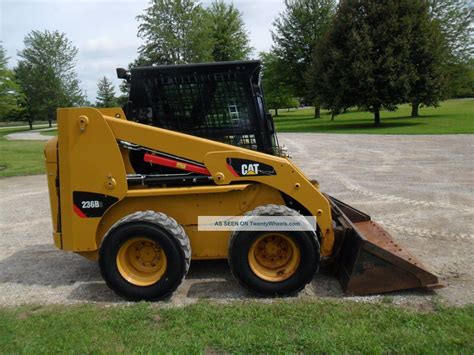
369	260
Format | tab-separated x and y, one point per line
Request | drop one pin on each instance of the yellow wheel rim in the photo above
141	261
274	257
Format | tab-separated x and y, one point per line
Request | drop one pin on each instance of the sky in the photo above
105	31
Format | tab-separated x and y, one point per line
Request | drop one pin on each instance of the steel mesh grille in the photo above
214	106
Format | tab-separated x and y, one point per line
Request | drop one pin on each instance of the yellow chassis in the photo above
87	157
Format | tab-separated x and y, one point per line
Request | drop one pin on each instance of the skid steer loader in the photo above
127	187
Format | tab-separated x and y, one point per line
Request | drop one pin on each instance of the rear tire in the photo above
145	256
288	273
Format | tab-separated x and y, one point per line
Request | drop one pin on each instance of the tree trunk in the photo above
377	117
30	122
414	108
317	111
333	114
49	121
276	112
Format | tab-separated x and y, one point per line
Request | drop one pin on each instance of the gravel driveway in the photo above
30	135
421	188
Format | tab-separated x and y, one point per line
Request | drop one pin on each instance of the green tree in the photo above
229	36
455	18
10	91
327	80
46	73
296	33
105	93
277	93
427	55
122	99
461	79
174	32
365	58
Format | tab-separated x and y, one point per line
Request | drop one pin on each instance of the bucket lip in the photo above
435	286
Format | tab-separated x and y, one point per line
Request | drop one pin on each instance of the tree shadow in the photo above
43	265
227	289
208	269
346	118
333	126
212	279
94	292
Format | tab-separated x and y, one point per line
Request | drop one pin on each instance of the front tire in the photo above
145	256
272	263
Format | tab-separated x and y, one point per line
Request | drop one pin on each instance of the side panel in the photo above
186	208
89	160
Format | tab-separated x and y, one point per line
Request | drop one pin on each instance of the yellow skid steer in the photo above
128	185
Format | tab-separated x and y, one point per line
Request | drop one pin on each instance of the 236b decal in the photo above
91	204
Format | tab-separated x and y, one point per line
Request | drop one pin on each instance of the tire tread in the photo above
268	210
165	222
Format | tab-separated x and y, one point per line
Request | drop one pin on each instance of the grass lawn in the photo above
245	327
20	157
16	124
453	116
53	132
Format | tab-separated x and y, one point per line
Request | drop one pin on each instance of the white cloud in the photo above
105	31
106	43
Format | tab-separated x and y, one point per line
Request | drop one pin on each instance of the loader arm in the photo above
286	178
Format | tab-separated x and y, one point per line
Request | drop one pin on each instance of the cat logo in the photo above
244	167
249	169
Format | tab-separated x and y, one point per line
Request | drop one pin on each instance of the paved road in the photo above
420	187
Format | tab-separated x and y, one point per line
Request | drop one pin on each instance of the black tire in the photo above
241	242
158	228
